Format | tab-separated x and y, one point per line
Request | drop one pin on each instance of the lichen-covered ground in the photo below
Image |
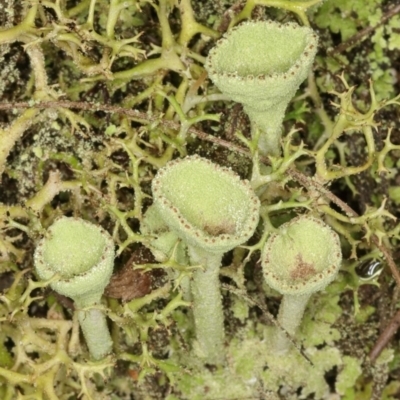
95	97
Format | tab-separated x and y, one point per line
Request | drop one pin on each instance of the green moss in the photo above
240	309
350	371
346	17
292	370
322	313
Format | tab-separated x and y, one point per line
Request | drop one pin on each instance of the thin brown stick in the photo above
308	182
228	14
388	257
385	337
142	116
361	35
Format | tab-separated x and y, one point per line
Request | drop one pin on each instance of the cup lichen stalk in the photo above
261	65
212	211
303	257
82	255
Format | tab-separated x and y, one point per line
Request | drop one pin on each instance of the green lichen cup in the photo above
212	210
261	64
81	255
303	257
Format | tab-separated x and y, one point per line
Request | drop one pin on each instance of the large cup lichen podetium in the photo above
261	65
82	255
303	257
212	210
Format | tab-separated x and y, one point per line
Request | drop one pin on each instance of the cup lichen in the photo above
261	64
81	254
300	259
212	210
99	95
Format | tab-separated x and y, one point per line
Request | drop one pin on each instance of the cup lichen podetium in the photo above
212	210
303	257
81	254
261	65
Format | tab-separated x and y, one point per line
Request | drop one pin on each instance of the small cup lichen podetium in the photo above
82	255
261	65
212	210
303	257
